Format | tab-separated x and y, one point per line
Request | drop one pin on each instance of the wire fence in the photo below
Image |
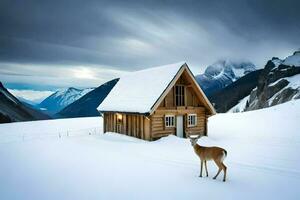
11	137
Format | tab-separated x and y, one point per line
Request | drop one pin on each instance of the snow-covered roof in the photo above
139	91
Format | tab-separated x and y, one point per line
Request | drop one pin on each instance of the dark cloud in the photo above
127	34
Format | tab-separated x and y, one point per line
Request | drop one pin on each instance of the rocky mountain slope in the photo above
87	105
279	82
221	74
12	110
62	98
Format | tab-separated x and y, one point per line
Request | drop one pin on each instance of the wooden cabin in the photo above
156	102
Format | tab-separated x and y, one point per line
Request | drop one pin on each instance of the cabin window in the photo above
170	121
119	122
192	120
179	95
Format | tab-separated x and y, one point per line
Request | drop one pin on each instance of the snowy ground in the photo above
263	160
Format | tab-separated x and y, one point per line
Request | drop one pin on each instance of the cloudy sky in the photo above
46	45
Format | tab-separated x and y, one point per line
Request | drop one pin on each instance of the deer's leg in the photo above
206	168
225	171
220	169
201	168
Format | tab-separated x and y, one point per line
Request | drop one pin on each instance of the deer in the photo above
216	154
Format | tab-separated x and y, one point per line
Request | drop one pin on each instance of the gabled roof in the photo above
142	91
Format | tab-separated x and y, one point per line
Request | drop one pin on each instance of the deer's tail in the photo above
224	155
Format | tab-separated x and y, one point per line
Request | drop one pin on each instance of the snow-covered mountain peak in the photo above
229	68
66	91
62	98
222	73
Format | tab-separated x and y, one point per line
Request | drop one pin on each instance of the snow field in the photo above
262	161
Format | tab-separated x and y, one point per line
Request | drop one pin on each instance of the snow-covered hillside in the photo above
263	160
222	73
61	98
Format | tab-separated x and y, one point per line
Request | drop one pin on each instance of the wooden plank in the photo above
129	124
147	129
141	127
161	122
107	122
132	125
205	126
195	129
158	115
157	123
135	128
104	123
170	131
124	124
110	122
184	96
181	110
155	118
160	128
162	134
194	108
138	126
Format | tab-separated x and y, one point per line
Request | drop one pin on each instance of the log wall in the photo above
158	128
133	125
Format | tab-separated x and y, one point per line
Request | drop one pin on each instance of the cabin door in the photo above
179	126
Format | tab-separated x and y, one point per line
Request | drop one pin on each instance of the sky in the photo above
46	45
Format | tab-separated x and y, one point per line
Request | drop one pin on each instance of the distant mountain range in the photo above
12	110
86	106
230	86
62	98
221	74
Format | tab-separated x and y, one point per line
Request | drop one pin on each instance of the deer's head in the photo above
194	140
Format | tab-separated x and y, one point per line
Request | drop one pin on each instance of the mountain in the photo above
230	96
222	73
12	110
277	83
87	105
62	98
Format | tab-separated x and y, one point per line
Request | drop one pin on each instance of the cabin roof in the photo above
140	91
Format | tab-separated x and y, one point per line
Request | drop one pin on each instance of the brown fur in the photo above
216	154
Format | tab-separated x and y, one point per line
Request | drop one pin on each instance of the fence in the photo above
9	137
